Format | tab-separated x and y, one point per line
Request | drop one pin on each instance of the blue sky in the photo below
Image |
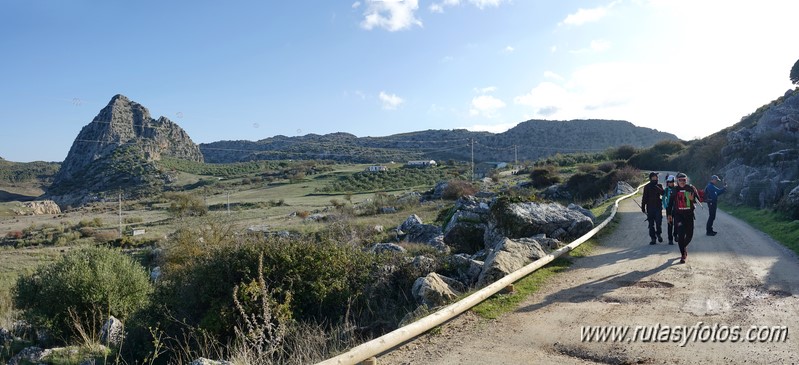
254	69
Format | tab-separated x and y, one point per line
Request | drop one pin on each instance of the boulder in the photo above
387	247
465	232
112	333
435	290
517	220
623	188
28	355
508	256
415	231
5	336
424	263
155	274
584	211
468	269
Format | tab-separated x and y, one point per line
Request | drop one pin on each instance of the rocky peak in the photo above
126	122
124	132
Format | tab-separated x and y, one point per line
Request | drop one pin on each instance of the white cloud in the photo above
482	4
583	16
390	101
552	75
509	49
553	49
486	105
447	59
599	45
485	90
596	46
391	15
356	5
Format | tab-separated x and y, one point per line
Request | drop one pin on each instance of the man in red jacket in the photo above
651	206
680	211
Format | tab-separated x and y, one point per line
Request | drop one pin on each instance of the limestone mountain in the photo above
116	152
529	140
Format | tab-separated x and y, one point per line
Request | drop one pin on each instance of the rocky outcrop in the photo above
414	231
760	159
40	207
204	361
116	152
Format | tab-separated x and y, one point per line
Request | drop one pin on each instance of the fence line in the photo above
394	338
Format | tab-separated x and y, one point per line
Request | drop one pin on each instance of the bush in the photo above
544	177
456	189
622	152
91	283
186	205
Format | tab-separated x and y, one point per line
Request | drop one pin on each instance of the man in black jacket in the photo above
651	206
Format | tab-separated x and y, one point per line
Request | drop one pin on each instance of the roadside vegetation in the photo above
302	288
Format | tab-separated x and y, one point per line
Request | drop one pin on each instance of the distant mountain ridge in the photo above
116	152
528	140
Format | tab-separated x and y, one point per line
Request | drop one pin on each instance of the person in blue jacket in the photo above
712	192
666	196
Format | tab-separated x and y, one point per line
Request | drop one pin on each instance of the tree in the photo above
85	285
795	73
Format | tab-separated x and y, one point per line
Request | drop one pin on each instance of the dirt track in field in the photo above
740	278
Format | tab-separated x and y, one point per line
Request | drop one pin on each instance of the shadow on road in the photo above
597	288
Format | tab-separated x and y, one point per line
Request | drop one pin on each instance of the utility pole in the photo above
120	215
472	159
228	202
515	156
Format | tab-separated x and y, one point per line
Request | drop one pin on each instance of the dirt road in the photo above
740	278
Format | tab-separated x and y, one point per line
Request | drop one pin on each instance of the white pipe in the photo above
394	338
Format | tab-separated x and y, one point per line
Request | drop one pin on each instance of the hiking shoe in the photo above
671	242
682	261
660	238
712	233
652	243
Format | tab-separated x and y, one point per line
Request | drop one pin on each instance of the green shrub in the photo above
90	282
184	205
457	188
544	177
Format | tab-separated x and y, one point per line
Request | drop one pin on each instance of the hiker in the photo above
712	192
666	195
680	212
651	206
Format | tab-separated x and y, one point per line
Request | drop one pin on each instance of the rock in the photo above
467	268
155	274
623	188
113	332
28	355
424	263
435	290
417	232
508	256
5	336
465	231
387	247
517	220
417	314
791	203
556	192
40	208
584	211
388	210
258	228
